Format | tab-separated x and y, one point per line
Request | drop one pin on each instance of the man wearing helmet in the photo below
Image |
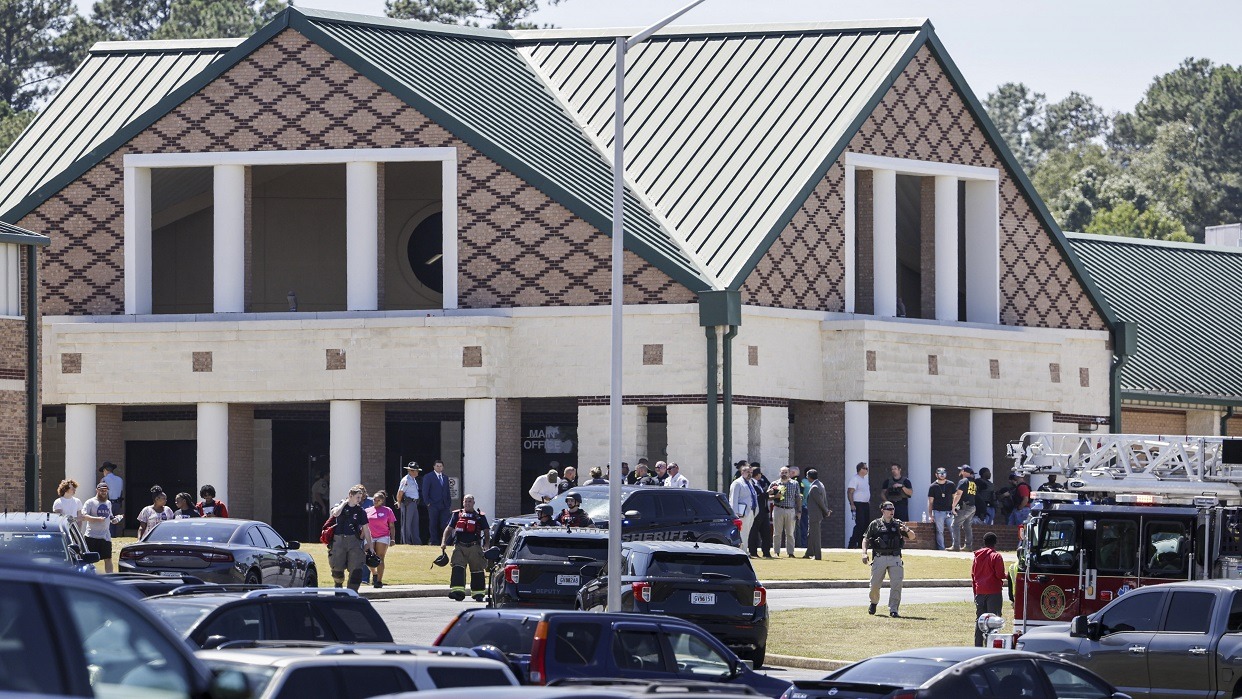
574	515
543	512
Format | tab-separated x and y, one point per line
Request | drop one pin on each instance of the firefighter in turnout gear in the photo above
467	532
574	515
885	537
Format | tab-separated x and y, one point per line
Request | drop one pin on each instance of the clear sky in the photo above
1108	49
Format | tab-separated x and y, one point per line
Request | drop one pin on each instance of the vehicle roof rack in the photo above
273	591
335	648
217	588
658	686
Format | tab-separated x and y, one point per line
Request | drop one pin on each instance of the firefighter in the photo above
885	537
574	515
543	512
467	532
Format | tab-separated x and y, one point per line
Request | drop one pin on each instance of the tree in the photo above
11	124
1017	113
495	14
181	19
33	52
1125	219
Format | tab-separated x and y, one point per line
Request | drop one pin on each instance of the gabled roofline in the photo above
20	236
1148	242
164	46
531	36
370	21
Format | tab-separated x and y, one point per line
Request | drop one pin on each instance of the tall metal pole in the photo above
618	277
32	379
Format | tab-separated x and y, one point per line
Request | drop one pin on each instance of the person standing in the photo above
383	524
570	480
1021	500
675	479
885	537
985	501
786	498
631	475
158	511
350	540
940	505
858	492
210	506
574	515
183	505
467	532
597	477
661	473
439	501
817	504
407	503
319	495
795	474
744	501
97	512
898	490
68	505
761	529
964	510
545	487
643	477
116	491
1051	485
987	577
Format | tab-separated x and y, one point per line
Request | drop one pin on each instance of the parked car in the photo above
221	551
1180	639
605	688
712	585
150	584
545	566
44	537
302	671
957	673
545	646
650	514
207	616
67	634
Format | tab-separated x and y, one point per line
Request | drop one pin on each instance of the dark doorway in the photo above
546	445
299	455
171	464
406	442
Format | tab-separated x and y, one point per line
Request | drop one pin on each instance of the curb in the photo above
429	591
804	663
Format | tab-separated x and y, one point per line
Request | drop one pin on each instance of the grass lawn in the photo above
411	565
849	633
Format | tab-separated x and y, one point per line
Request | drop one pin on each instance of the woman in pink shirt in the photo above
382	521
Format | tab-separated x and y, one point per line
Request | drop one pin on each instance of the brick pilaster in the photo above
374	445
819	442
241	461
927	244
508	457
864	253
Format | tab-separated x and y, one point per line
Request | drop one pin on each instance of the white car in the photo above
277	670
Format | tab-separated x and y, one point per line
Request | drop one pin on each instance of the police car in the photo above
544	566
650	514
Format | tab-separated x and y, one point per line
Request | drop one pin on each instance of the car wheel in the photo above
758	655
253	578
312	577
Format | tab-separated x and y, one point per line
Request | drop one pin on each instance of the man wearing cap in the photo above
545	487
964	510
98	514
940	504
116	493
407	503
885	536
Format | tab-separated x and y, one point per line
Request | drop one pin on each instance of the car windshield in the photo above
595	502
258	676
33	544
900	672
543	548
180	616
695	565
512	635
189	531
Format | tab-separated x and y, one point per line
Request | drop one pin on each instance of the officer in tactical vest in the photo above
885	537
543	515
467	532
574	515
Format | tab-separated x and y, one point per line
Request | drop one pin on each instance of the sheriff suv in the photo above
545	566
649	514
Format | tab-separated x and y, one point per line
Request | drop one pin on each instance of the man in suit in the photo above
817	509
439	502
744	501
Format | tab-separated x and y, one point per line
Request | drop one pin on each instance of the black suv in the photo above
208	616
545	566
650	514
43	537
710	584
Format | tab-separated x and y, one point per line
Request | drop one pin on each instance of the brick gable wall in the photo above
922	117
517	247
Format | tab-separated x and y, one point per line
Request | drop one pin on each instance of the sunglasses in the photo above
889	509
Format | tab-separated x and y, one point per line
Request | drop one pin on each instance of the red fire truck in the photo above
1137	510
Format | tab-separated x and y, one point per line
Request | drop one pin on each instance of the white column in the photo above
137	241
344	447
229	239
946	248
773	439
982	252
362	236
980	438
213	447
687	443
80	448
1042	422
448	203
849	250
479	461
593	434
919	457
884	241
857	448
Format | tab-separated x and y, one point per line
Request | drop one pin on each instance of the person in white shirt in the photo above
68	505
744	500
158	511
858	492
98	515
545	487
675	479
116	491
407	503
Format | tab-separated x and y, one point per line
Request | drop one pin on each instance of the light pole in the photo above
618	274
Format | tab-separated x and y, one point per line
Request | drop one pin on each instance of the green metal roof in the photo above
20	236
117	82
1184	298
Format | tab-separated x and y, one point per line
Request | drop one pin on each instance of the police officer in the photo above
574	515
467	531
543	513
885	537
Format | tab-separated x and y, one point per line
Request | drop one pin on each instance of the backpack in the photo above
328	531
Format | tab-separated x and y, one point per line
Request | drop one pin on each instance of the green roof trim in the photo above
20	236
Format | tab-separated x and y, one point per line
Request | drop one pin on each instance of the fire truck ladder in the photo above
1185	466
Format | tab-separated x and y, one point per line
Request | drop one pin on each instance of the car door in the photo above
1069	682
696	656
1179	657
262	557
30	658
642	528
1127	628
638	651
290	574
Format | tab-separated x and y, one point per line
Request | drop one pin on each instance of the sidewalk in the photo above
415	591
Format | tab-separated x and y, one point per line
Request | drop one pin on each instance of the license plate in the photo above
702	598
170	574
567	580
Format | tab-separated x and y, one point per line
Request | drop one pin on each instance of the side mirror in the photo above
293	545
1078	626
90	557
632	514
229	684
493	554
214	642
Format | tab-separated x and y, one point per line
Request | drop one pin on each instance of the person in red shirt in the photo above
987	576
1021	500
209	506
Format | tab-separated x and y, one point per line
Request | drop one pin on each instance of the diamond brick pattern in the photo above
517	247
923	117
